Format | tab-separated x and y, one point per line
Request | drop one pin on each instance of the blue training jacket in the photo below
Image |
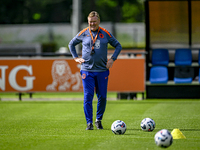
97	61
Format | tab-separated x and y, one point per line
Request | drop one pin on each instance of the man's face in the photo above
93	23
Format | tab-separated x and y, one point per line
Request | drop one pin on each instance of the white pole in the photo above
76	20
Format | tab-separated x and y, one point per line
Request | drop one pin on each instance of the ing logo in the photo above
63	77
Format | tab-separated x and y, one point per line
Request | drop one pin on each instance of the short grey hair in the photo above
93	14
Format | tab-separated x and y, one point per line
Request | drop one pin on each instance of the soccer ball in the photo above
163	138
148	124
118	127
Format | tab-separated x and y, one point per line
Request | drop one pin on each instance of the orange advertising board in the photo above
127	75
63	75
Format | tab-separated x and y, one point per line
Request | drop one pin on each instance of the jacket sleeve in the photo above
76	40
115	43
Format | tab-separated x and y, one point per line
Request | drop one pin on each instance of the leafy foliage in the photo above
132	12
51	11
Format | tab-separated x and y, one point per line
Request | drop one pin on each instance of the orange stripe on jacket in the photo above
83	31
105	31
99	27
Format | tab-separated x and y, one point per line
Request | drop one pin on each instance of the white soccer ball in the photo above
148	124
118	127
163	138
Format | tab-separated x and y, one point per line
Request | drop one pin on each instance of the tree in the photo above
132	12
35	11
116	10
51	11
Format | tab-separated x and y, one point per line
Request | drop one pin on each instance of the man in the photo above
94	65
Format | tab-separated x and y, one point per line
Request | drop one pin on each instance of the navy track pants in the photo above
94	81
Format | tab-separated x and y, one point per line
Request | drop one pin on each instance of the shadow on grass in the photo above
189	129
156	130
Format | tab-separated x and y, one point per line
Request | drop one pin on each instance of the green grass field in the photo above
37	95
60	125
